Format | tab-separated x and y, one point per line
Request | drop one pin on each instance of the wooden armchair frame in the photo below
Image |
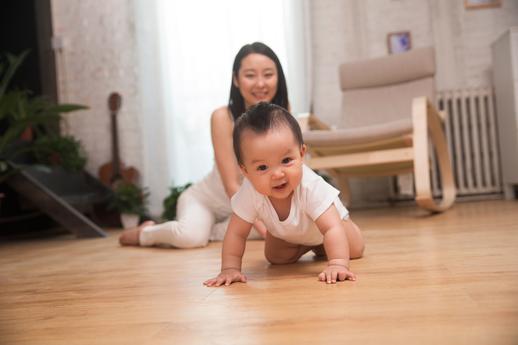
407	152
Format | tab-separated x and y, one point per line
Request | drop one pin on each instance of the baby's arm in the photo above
336	246
233	249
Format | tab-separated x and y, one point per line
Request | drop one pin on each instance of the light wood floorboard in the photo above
451	278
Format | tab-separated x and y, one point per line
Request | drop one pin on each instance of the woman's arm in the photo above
221	131
222	126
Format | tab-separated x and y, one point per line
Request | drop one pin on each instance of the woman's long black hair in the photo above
236	103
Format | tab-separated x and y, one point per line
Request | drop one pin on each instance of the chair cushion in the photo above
368	107
393	69
358	135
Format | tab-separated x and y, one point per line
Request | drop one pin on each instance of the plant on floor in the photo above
171	201
130	201
22	116
129	198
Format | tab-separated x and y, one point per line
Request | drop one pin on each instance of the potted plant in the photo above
171	200
130	201
22	117
64	151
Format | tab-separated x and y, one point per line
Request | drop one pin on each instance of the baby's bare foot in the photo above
130	237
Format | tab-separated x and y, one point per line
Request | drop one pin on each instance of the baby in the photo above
300	210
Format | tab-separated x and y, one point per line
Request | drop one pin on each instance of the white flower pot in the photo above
129	220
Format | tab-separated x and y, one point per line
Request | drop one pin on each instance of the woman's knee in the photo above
195	221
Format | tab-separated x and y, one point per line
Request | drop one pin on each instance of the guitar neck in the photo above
115	147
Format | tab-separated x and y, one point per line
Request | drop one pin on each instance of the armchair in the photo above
389	122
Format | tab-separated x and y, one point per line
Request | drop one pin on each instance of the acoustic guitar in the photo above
114	172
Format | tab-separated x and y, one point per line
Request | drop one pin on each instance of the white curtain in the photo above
186	51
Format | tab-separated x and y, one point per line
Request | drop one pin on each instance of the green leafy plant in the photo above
20	112
129	198
64	151
171	201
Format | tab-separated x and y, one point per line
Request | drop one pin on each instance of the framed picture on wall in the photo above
399	42
476	4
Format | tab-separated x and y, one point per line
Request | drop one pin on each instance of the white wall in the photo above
98	57
349	30
463	41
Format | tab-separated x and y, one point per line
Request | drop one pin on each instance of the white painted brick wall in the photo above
98	57
348	30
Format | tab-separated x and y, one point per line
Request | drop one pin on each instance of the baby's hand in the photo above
227	277
334	273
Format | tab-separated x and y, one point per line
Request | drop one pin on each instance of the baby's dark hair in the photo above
260	118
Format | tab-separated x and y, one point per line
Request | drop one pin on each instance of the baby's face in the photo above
272	161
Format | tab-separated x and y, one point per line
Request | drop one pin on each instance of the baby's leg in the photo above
280	252
192	229
355	239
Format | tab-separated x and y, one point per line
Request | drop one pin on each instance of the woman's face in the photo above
257	79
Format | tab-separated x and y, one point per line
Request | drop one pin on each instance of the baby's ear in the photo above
243	169
303	149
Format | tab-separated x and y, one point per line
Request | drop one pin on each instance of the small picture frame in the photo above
478	4
399	42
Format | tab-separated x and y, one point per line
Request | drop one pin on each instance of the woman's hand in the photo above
334	273
227	277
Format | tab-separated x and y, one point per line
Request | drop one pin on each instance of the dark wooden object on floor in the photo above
63	196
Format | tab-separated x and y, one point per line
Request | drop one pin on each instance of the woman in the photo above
204	208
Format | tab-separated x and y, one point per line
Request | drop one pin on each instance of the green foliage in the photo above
171	201
19	111
129	198
64	151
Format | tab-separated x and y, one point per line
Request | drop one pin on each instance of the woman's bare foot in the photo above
130	237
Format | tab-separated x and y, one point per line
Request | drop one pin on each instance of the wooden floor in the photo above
445	279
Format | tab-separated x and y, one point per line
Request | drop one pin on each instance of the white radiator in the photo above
471	132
